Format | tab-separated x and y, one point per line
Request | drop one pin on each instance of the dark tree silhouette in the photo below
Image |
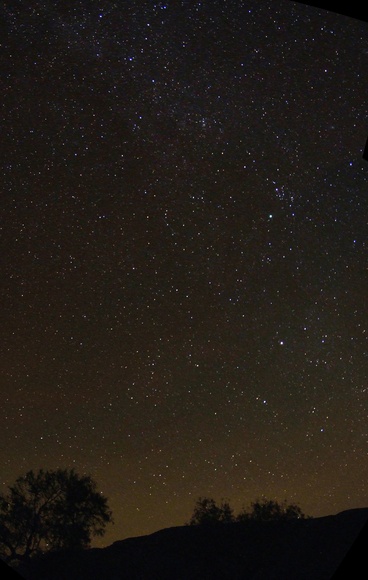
207	512
50	510
265	510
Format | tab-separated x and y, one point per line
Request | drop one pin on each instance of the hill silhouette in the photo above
310	549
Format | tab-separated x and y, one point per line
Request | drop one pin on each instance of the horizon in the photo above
185	525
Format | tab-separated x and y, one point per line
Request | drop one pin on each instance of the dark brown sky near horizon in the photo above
184	255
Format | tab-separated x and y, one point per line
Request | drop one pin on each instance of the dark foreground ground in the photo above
313	549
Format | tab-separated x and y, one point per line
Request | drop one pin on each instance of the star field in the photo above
184	255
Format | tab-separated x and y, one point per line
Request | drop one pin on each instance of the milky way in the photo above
184	225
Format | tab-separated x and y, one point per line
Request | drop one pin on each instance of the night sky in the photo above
184	277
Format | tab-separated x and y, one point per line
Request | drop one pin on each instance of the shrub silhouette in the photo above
50	510
266	510
207	512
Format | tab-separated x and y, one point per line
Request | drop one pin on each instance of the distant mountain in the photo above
310	549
